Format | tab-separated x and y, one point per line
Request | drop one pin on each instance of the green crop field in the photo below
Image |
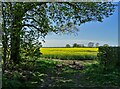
70	53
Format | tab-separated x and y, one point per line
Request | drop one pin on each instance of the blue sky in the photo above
97	32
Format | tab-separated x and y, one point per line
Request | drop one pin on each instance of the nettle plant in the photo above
109	57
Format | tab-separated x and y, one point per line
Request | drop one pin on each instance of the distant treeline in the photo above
90	45
76	45
70	47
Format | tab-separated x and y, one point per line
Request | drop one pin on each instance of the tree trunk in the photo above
4	40
15	46
15	40
17	15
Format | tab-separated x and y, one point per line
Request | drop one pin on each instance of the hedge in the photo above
109	57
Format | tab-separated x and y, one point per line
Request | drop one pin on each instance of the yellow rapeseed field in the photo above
70	53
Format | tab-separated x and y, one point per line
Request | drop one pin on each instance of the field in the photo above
70	53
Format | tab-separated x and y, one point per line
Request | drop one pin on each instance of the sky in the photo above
97	32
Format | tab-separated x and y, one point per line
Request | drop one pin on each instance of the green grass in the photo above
44	72
27	74
95	75
70	53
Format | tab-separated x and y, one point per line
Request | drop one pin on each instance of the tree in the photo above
75	45
106	45
97	44
39	18
67	46
81	45
4	37
90	44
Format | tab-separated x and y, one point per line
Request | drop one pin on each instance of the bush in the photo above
12	83
109	57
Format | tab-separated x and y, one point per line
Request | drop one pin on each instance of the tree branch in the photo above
32	19
30	25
